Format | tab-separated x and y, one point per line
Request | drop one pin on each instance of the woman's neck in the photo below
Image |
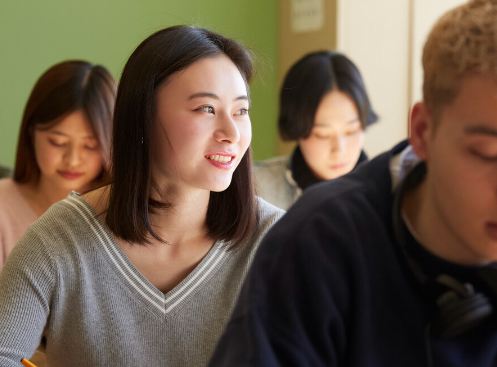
182	226
185	221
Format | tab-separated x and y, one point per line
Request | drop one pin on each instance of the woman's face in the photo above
335	143
203	127
68	154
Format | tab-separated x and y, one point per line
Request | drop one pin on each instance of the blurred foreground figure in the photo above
393	264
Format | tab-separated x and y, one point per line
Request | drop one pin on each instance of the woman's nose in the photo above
226	130
72	156
338	143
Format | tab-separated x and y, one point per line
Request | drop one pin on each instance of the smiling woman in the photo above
195	128
63	145
145	271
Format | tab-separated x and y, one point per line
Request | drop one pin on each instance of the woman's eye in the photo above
485	157
243	112
56	144
353	131
319	136
88	147
207	109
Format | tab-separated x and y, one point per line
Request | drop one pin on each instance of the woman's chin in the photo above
220	186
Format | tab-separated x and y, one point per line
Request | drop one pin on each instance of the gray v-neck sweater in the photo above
70	283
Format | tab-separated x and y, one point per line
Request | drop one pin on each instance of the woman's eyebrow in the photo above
66	135
242	98
351	121
214	96
203	95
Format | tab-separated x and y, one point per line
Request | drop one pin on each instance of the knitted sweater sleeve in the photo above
27	283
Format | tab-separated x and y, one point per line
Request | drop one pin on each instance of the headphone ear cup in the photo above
458	314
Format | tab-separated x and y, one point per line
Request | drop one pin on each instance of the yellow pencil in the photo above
27	363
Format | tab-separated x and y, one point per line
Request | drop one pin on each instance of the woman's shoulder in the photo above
268	214
273	183
69	233
71	219
15	217
268	210
271	166
8	188
12	203
77	209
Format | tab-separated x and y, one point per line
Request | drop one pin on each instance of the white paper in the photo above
307	15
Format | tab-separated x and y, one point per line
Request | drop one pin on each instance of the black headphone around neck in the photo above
457	307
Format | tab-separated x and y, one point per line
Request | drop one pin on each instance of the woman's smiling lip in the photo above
221	160
69	175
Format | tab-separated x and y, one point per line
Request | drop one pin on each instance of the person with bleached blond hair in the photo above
393	264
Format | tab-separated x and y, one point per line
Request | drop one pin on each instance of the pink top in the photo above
15	217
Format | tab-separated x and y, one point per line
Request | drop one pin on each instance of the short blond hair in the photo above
463	41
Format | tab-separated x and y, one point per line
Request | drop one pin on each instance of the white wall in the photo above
375	34
385	38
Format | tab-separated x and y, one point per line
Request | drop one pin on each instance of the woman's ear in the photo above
421	127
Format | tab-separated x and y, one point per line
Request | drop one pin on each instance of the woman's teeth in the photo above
219	158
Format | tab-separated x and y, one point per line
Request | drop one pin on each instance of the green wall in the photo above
37	34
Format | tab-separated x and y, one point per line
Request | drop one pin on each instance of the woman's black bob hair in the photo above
308	81
231	214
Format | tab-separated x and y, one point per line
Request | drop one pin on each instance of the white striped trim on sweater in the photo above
134	280
148	291
203	272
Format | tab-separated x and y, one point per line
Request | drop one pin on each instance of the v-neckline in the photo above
163	303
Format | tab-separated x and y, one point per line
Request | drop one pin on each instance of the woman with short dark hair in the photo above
146	270
325	108
63	145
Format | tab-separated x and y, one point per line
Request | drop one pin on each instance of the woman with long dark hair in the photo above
63	145
145	271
